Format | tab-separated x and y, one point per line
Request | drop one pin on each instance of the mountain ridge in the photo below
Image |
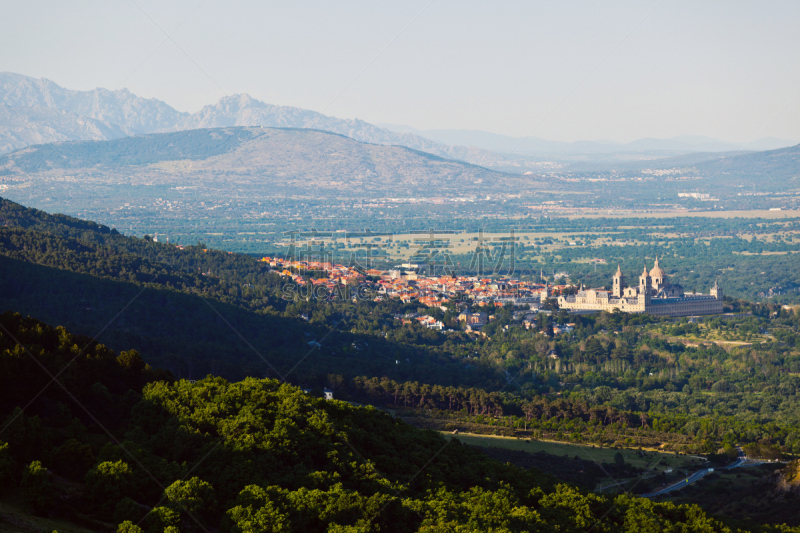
26	126
506	144
292	161
130	113
102	114
124	114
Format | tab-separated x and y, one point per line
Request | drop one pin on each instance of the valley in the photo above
246	317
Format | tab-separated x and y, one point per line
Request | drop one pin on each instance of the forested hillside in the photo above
113	441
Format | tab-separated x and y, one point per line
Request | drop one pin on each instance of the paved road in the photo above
741	460
685	482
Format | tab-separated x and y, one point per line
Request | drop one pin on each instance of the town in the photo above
654	295
407	285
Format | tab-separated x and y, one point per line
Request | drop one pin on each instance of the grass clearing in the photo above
691	340
589	453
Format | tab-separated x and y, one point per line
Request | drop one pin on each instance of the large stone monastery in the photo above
654	295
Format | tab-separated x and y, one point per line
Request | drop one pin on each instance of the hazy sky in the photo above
562	70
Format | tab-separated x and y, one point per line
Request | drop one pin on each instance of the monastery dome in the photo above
657	271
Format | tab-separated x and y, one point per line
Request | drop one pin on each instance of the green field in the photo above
589	453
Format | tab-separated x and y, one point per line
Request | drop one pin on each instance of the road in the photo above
696	476
741	460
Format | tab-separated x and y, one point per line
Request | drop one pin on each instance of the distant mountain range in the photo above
242	110
506	145
125	112
39	111
24	126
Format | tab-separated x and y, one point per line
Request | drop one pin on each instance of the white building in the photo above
654	295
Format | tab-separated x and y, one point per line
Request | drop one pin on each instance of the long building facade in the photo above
654	294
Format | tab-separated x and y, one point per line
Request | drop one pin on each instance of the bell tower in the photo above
716	291
619	283
645	284
545	294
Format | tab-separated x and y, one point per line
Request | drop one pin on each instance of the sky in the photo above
566	70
